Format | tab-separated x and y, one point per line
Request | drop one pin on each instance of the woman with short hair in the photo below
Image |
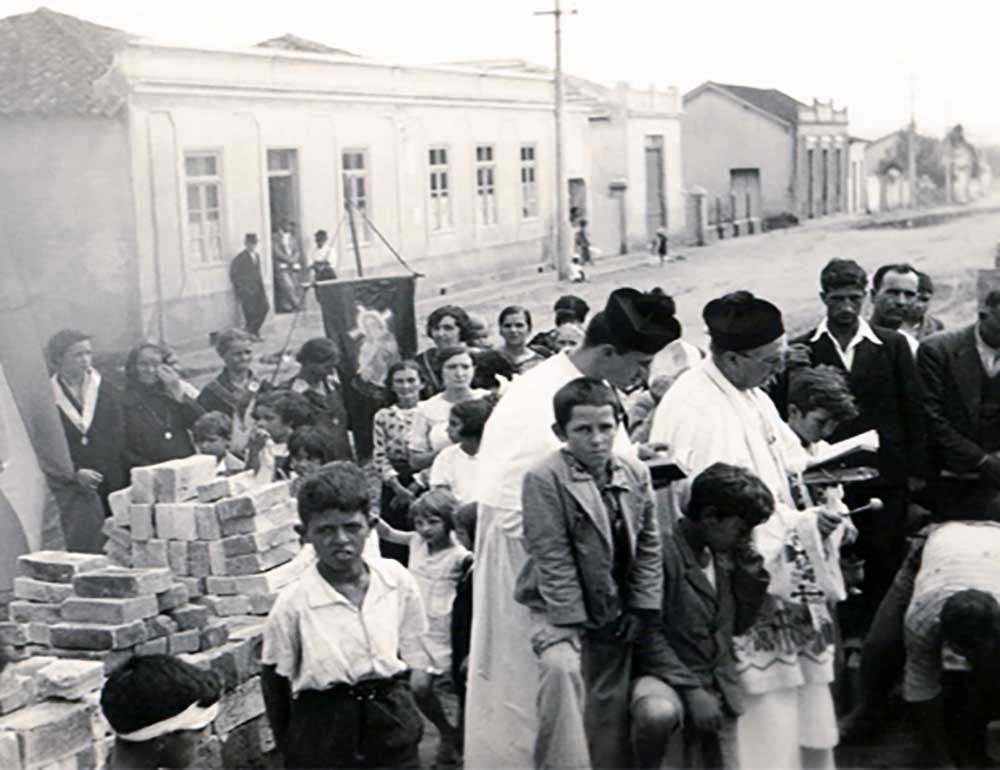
446	326
236	385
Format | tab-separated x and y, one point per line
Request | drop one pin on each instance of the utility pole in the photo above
911	148
562	250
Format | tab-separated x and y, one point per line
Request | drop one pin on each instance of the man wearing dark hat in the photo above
501	719
882	377
717	412
245	274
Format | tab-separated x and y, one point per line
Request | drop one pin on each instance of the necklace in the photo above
162	424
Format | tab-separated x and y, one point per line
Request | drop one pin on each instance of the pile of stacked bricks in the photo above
193	564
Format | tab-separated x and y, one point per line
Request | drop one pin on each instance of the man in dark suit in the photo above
960	374
244	272
882	378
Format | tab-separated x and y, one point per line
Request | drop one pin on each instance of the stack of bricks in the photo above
193	563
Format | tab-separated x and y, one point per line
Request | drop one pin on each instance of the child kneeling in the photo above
714	584
344	642
593	579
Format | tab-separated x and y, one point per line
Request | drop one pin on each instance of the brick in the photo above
274	579
92	636
10	752
58	566
195	586
143	487
184	641
117	555
246	745
141	521
13	633
161	625
35	612
33	590
226	605
39	633
13	653
225	486
175	596
256	500
121	583
114	612
239	706
29	667
48	731
191	616
102	752
202	660
176	521
261	604
246	654
220	586
213	635
275	517
70	679
110	658
119	502
176	481
206	523
159	646
206	558
15	692
239	545
151	553
259	562
119	536
177	557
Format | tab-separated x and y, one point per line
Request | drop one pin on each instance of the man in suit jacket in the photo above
286	256
882	378
244	272
960	374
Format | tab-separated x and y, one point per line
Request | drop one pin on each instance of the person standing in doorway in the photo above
286	255
244	272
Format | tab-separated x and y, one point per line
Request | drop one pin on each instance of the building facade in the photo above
759	153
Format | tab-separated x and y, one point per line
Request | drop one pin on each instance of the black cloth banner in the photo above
373	321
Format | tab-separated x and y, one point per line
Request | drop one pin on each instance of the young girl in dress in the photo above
437	561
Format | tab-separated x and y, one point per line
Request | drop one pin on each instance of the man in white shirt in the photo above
717	412
501	717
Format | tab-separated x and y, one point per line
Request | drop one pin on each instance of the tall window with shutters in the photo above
440	189
486	191
203	181
529	183
357	190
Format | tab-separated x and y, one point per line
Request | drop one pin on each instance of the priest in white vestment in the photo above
501	719
716	412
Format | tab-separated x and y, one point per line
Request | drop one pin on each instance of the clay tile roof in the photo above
291	42
770	100
49	63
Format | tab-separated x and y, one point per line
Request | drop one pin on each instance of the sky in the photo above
876	57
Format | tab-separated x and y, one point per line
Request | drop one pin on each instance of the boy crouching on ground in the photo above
594	577
714	583
341	641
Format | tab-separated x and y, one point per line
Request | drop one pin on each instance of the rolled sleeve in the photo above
282	647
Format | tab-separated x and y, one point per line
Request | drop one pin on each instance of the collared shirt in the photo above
956	556
989	356
316	638
864	332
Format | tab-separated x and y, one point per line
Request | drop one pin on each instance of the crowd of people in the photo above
605	543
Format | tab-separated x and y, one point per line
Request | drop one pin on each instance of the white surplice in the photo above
500	715
705	419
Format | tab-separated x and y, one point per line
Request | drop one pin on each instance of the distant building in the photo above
761	153
629	184
132	169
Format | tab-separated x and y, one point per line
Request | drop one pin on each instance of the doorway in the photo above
656	210
286	237
744	185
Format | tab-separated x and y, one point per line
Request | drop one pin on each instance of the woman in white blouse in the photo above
429	432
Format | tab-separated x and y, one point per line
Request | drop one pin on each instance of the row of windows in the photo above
204	192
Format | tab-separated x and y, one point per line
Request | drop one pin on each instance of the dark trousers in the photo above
373	724
255	309
607	676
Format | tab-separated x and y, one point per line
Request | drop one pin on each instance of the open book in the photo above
825	454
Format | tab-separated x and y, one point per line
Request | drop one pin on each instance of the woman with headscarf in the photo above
317	381
158	413
447	326
90	410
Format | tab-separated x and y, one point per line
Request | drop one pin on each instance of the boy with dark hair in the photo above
819	399
714	586
343	643
593	579
158	707
212	434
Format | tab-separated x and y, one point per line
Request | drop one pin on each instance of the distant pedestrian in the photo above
244	272
582	243
323	258
660	244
